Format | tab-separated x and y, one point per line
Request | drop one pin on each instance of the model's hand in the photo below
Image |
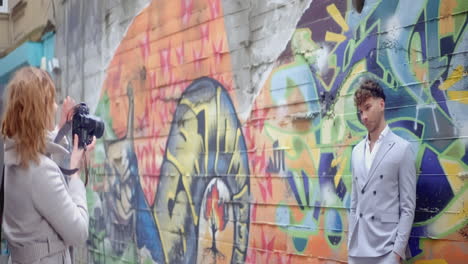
67	111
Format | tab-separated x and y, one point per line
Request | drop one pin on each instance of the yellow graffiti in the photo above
242	193
235	153
336	15
359	67
333	37
453	169
185	180
455	76
309	153
460	96
341	161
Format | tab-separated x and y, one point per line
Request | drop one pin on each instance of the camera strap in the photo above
68	172
63	131
60	134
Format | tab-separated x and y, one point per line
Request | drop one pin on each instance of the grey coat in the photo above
43	216
383	202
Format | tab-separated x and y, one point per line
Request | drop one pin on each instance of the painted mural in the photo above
179	179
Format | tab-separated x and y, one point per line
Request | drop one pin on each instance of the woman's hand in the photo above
90	148
67	111
77	153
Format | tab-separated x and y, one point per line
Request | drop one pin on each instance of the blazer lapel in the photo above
361	169
385	146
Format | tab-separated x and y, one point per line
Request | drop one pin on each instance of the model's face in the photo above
372	113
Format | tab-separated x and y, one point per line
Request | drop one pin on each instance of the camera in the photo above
85	125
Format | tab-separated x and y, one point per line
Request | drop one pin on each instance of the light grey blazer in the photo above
43	216
383	201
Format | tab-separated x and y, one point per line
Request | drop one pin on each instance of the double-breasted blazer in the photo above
382	200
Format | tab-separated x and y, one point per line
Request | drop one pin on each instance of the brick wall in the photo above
230	124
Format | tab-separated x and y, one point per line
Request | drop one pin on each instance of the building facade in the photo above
28	36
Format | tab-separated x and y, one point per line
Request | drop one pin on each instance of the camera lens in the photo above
99	129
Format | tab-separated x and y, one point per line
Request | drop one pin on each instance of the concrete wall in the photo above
87	35
230	124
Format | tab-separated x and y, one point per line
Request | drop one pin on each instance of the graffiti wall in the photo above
180	178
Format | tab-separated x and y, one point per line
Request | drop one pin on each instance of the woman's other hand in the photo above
76	155
67	111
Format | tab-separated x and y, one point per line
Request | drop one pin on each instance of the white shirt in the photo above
368	155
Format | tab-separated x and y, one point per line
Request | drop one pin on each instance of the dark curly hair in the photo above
368	88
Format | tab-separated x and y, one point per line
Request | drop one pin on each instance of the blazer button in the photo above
362	191
381	176
372	217
360	214
375	192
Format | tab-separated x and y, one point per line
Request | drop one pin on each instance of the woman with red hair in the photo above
44	211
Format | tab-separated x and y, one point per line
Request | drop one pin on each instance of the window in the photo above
3	6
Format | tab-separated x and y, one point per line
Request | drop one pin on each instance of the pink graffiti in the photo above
217	50
204	34
197	58
187	6
180	53
145	46
165	61
214	8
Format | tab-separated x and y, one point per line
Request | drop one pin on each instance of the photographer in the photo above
43	215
